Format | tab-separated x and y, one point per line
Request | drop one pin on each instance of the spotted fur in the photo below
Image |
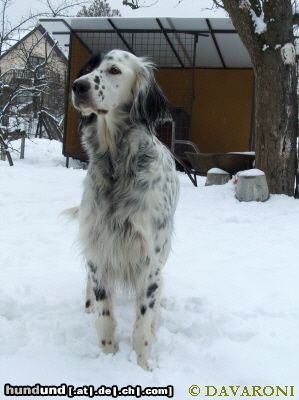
130	192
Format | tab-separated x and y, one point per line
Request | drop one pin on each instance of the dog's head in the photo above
121	81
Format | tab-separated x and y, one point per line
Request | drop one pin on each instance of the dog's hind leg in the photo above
105	322
90	297
147	311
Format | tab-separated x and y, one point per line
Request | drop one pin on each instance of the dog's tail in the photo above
70	213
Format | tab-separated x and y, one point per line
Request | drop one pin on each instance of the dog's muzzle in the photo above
82	98
81	88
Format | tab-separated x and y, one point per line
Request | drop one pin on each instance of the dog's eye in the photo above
114	71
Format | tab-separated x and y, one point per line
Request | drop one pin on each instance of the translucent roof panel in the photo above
55	25
63	41
222	24
135	23
125	23
185	24
206	53
155	46
171	46
102	42
149	44
233	51
60	33
90	24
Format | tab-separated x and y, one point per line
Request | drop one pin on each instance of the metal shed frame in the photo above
186	44
72	26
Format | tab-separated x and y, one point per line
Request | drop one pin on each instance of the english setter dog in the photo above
130	192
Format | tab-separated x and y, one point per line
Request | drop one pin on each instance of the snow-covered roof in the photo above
210	42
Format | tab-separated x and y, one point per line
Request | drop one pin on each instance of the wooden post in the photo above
22	146
4	148
9	158
2	152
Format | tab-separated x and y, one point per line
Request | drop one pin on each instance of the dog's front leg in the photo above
105	322
146	316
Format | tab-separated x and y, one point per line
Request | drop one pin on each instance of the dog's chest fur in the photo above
126	214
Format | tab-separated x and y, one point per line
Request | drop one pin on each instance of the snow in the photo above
229	314
216	171
258	20
251	172
288	54
248	153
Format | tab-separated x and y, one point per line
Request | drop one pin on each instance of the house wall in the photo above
15	58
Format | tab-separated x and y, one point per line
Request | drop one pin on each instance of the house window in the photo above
35	61
24	98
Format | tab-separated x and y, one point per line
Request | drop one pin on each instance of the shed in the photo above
203	68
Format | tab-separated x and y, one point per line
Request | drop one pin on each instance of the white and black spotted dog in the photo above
130	192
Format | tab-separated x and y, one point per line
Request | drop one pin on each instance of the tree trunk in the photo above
275	122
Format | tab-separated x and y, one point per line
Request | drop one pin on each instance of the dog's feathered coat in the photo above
130	191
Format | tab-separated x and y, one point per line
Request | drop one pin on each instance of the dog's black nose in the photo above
81	87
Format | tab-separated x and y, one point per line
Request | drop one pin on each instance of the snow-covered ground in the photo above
230	312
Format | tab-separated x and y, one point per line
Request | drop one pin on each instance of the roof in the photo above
170	42
47	36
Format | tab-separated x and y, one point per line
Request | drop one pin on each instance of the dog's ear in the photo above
150	106
91	64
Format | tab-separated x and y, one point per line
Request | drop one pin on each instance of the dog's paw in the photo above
143	363
109	346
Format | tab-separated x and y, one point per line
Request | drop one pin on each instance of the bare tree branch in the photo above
218	4
34	84
135	4
63	8
52	9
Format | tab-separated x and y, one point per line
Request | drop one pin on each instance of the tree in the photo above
8	31
98	8
135	4
31	82
266	29
35	80
64	8
11	32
